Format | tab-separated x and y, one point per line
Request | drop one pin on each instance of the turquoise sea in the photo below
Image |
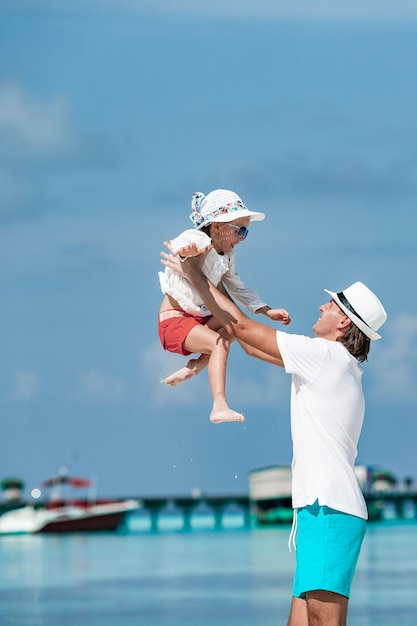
203	577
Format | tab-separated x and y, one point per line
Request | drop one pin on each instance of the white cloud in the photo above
272	9
32	127
36	132
394	368
31	131
309	9
372	10
102	388
25	385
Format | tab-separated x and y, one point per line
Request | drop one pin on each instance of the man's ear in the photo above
344	323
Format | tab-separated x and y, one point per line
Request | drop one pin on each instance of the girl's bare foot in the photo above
225	415
193	367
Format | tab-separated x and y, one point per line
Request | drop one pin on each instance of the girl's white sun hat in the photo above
220	205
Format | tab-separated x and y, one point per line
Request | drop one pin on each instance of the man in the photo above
327	412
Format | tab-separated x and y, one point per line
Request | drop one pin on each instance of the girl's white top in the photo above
327	413
218	268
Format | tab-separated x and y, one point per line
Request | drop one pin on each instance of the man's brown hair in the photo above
356	342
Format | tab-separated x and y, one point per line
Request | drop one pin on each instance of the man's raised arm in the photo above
258	340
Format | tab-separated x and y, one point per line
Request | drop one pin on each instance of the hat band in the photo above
350	308
228	208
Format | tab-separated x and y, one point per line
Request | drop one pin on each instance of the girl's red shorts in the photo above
174	327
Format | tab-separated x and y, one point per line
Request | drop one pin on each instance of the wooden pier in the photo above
394	505
188	506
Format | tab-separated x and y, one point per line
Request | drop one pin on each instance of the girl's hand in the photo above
178	260
279	315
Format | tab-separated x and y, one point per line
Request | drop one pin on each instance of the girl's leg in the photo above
194	366
211	343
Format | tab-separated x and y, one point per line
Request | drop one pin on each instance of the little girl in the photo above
185	325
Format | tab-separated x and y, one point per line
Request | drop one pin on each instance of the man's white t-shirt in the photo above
327	412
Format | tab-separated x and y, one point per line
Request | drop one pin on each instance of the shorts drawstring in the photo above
293	534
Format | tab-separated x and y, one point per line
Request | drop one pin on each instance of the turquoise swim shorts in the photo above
328	545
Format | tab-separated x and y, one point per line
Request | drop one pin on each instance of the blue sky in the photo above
111	115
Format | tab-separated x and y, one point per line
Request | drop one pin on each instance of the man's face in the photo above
331	320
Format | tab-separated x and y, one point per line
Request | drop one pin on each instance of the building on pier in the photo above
270	494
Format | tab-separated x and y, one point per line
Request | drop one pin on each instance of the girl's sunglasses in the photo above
241	231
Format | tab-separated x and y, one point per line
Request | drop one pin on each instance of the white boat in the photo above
59	515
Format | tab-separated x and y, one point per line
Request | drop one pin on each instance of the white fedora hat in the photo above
362	306
220	205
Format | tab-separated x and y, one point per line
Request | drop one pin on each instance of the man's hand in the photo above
191	250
